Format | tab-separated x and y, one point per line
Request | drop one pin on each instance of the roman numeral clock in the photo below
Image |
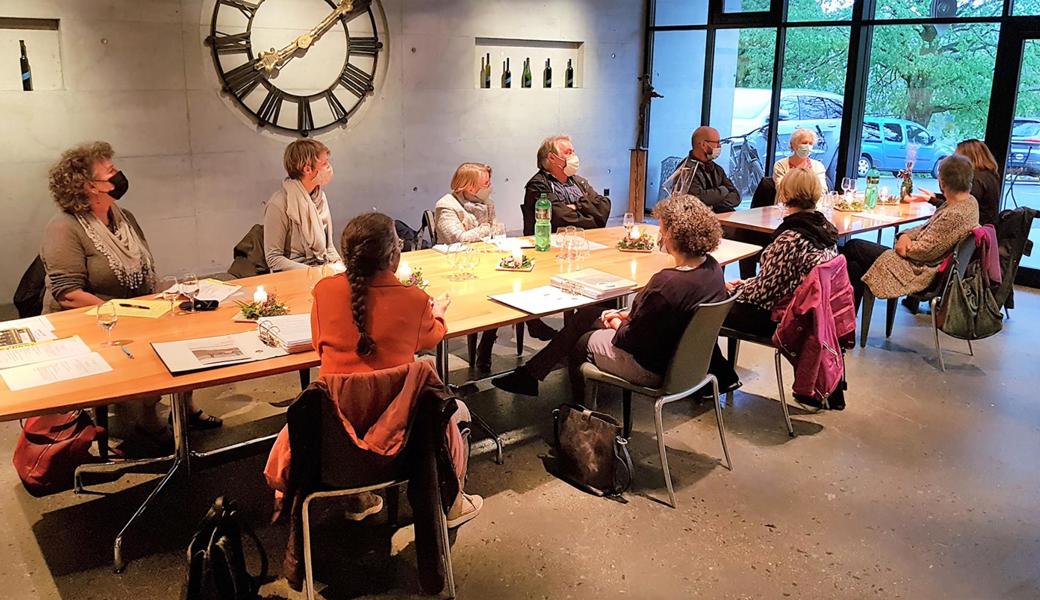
298	67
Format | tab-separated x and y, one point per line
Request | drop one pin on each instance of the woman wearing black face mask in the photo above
94	251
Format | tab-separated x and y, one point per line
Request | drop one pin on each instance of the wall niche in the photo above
565	59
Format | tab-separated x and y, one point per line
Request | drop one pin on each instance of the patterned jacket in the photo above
784	264
893	276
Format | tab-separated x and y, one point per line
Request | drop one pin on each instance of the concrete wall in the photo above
135	73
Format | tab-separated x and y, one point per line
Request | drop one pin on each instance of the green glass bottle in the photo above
873	180
542	223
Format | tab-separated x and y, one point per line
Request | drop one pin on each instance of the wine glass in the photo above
190	288
628	222
171	291
453	255
498	230
107	317
473	260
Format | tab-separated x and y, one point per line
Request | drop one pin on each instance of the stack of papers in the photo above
290	332
49	362
542	300
26	331
592	283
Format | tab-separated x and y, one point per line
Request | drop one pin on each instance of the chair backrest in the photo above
765	193
528	214
964	253
429	223
693	354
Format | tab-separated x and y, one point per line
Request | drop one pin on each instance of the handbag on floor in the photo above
591	452
216	560
50	448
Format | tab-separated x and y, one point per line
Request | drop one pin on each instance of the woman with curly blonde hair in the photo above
638	344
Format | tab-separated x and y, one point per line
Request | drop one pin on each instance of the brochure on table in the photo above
200	354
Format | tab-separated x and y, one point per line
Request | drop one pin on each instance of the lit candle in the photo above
404	272
260	296
518	254
634	234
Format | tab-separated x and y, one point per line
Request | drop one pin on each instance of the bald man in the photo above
700	176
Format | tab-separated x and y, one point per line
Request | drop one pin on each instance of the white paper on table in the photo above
198	354
508	244
41	327
542	300
554	242
53	371
211	289
17	356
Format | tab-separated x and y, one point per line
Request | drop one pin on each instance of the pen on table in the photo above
128	305
126	351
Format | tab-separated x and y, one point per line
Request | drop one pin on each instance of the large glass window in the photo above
930	9
813	87
1022	172
678	75
928	88
740	102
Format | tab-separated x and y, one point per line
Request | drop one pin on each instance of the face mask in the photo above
803	151
484	195
324	176
571	168
121	185
716	152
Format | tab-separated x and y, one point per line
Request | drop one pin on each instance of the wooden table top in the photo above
145	374
767	218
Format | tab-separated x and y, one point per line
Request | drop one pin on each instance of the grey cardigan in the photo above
73	263
278	228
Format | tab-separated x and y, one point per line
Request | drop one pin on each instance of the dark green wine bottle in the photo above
525	79
507	76
487	72
547	75
569	81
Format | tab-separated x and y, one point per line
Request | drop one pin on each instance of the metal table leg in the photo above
181	461
442	371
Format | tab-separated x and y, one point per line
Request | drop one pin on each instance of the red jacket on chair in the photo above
815	325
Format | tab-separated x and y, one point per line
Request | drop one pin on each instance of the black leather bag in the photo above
591	452
216	561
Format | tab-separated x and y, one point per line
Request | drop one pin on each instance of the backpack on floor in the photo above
216	561
50	448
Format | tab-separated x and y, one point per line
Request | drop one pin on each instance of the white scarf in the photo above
128	256
311	214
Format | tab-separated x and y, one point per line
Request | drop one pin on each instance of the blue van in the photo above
885	143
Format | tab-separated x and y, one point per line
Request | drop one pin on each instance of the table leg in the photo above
182	457
442	370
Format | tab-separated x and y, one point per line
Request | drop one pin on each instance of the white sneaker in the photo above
362	506
465	508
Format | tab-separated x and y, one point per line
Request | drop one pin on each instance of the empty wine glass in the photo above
472	260
107	317
190	288
498	230
628	222
171	291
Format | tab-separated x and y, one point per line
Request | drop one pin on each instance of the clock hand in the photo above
273	59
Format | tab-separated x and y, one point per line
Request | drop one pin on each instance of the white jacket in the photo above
462	221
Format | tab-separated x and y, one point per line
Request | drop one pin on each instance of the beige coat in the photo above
463	221
893	276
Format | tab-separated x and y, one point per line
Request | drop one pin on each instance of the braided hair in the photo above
368	245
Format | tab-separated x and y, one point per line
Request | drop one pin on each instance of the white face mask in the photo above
715	153
804	150
571	168
324	176
485	194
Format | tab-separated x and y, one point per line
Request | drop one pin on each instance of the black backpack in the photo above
216	562
28	298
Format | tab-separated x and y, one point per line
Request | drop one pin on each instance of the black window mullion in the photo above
773	131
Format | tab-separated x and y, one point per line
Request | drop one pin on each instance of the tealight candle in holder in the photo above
260	295
404	272
634	233
518	253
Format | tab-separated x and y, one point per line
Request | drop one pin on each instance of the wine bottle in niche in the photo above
507	76
569	81
487	72
26	71
525	79
482	69
547	75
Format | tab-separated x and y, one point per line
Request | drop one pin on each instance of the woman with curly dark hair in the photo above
638	344
367	320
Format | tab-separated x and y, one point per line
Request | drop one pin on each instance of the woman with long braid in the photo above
367	320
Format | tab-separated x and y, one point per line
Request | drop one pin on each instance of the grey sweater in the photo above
73	263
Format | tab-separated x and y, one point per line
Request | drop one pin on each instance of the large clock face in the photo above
296	66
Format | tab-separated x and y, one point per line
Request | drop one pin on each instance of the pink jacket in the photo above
815	325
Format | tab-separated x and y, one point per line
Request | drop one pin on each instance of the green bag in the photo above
969	310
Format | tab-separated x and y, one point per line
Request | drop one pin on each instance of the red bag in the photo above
51	447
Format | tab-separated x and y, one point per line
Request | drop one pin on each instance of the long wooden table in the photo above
766	219
471	311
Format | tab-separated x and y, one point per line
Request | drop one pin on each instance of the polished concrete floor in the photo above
927	486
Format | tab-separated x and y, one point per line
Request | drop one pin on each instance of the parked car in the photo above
799	108
885	145
1024	157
